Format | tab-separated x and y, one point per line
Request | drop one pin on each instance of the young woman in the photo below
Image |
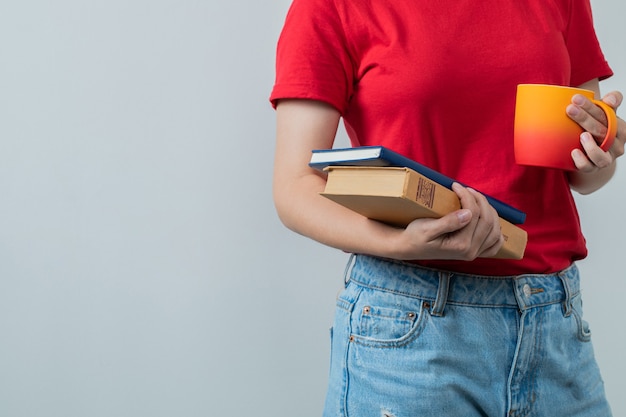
429	324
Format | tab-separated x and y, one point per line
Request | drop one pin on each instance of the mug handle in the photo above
611	128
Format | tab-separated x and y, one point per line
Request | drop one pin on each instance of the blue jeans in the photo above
414	342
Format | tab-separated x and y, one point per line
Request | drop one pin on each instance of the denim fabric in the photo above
414	342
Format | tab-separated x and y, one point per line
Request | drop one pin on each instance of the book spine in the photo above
430	194
504	210
515	240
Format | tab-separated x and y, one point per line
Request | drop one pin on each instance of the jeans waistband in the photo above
445	287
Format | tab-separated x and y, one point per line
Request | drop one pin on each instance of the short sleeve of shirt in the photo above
587	60
312	58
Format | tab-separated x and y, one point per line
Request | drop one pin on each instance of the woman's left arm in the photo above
595	166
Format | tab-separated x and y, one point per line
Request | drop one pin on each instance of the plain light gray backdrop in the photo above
143	271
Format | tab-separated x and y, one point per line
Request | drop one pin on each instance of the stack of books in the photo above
386	186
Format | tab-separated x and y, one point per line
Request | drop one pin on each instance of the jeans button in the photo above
527	291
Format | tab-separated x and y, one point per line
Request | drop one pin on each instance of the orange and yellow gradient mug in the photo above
544	135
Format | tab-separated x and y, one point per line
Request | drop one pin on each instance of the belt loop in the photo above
567	303
348	270
442	294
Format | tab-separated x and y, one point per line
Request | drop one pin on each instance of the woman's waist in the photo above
418	281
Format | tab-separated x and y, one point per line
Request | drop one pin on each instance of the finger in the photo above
589	116
583	164
595	154
620	138
477	232
493	249
478	235
613	99
589	107
487	232
468	200
448	224
617	149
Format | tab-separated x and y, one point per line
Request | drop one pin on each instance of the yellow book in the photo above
397	196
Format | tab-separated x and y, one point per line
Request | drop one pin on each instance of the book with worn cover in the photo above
381	156
397	196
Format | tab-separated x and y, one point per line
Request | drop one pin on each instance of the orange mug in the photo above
544	135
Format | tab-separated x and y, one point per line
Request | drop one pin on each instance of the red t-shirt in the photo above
436	81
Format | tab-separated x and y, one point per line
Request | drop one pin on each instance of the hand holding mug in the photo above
544	133
594	122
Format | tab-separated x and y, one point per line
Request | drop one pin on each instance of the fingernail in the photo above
611	100
578	99
572	110
464	216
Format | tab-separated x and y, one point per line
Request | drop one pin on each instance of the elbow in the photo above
297	201
284	209
283	216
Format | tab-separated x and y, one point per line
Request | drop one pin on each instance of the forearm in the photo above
302	209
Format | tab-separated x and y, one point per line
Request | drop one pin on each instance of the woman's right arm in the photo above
304	125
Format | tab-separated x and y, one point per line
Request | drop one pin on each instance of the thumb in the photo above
613	99
451	223
464	216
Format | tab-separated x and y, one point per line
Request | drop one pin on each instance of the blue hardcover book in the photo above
381	156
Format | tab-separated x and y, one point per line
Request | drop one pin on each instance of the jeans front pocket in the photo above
382	319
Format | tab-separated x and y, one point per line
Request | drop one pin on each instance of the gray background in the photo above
143	271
